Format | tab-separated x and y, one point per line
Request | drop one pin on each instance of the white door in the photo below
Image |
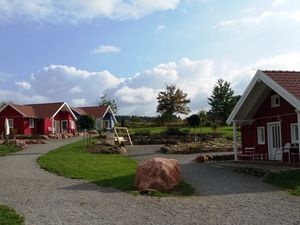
274	141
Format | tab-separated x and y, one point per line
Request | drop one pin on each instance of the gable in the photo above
8	111
255	94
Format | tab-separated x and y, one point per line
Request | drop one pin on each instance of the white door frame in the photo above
271	151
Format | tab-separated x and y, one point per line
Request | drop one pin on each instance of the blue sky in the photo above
78	50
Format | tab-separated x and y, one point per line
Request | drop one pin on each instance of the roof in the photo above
96	111
289	80
42	110
284	83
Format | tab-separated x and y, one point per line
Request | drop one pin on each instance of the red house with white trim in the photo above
268	114
43	118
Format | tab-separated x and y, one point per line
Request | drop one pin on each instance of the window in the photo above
261	135
11	123
72	124
31	123
275	101
294	133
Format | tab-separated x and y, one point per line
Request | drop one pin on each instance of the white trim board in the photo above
262	77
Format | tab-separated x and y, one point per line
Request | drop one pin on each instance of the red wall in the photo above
265	114
41	125
66	116
10	113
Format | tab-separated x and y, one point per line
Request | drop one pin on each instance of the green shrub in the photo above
174	131
145	132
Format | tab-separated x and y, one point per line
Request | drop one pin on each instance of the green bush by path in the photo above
7	149
9	216
288	180
111	170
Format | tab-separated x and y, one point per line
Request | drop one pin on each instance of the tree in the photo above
222	100
104	100
172	101
86	122
193	120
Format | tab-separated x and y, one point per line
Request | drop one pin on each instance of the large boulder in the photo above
158	174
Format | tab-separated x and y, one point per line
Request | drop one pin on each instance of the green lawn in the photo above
111	170
289	180
9	216
226	131
7	149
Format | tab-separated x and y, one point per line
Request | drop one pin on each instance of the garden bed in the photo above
205	146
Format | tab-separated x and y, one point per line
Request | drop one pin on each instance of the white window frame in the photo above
31	123
72	124
294	136
11	123
261	135
274	102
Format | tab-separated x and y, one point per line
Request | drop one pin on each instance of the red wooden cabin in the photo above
38	118
268	114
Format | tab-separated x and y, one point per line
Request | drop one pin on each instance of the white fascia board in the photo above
70	110
281	91
112	113
244	97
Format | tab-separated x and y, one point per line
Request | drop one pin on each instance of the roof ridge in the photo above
281	71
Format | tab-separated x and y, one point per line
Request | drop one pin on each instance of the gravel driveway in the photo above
44	198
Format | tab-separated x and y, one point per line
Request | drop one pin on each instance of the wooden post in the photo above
235	147
298	122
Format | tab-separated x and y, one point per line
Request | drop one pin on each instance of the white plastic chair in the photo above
286	147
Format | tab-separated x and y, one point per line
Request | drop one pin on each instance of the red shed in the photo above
38	118
268	114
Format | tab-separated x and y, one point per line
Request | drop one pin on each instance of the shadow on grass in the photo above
125	183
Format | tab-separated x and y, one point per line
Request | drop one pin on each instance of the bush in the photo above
145	132
174	131
193	120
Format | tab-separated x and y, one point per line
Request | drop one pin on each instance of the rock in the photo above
159	174
64	136
203	158
44	137
95	132
53	136
21	144
107	149
2	142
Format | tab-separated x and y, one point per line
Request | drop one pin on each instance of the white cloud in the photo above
137	94
160	28
106	49
75	89
18	97
280	11
79	101
80	10
23	84
65	83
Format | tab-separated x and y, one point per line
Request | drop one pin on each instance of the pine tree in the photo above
222	100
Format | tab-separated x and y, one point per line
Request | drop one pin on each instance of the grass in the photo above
289	180
7	149
9	216
226	131
110	170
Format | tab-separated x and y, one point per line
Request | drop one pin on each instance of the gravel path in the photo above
46	199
